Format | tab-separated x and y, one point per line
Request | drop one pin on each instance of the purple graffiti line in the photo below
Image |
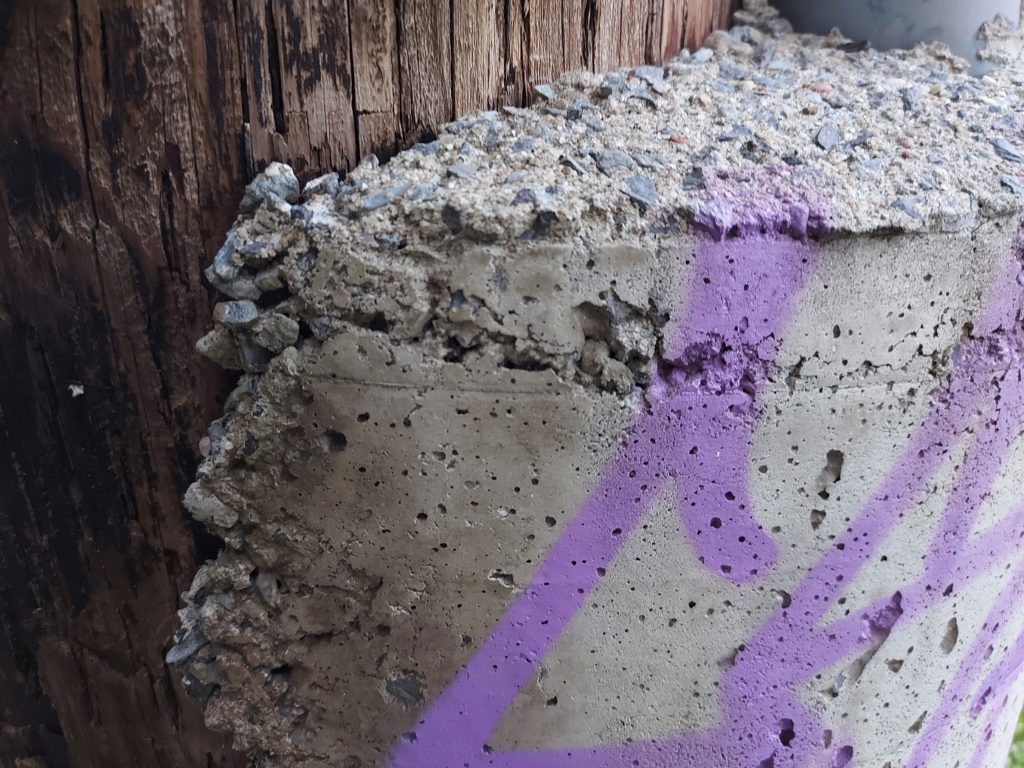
694	435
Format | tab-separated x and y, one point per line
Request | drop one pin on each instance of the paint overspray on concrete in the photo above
694	436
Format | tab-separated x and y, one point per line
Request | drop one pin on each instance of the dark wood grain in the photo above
128	131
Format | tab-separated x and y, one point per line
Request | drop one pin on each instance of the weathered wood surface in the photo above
128	130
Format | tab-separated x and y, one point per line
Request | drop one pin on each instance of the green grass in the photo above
1017	752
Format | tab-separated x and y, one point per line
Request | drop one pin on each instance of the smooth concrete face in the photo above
764	557
902	23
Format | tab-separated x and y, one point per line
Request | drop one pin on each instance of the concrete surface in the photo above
618	433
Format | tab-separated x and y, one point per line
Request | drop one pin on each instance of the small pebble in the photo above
641	189
275	332
462	170
828	137
909	205
544	91
1008	151
327	184
571	162
235	314
610	161
187	648
277	181
1014	183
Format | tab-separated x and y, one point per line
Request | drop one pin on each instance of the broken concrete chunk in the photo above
220	346
207	508
274	331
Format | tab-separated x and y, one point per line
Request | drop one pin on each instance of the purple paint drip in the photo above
695	435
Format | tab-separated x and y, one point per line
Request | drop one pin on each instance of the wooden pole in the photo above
128	131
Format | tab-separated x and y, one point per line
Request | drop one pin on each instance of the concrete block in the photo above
531	467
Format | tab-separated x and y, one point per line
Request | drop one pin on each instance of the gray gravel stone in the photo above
220	346
612	84
254	357
611	161
269	279
278	180
268	587
380	199
207	508
244	287
328	184
578	108
827	137
428	149
462	170
649	160
909	205
1014	183
375	201
235	314
1008	151
224	267
913	97
641	189
192	643
570	162
544	91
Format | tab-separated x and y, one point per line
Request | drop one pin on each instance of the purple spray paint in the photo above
694	436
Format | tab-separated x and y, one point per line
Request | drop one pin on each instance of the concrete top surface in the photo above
760	128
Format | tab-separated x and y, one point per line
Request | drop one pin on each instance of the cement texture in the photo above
674	421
